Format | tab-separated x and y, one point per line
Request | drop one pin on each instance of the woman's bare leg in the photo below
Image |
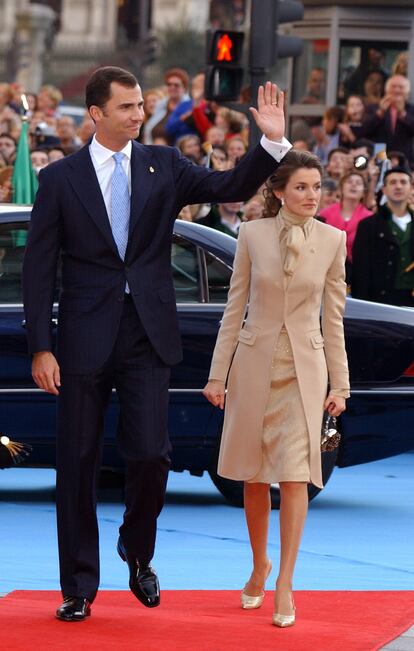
257	509
293	511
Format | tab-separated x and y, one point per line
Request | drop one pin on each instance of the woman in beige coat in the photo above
277	364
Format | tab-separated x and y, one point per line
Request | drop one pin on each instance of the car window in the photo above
12	244
185	271
218	274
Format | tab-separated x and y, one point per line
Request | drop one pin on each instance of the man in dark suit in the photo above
383	251
110	209
392	122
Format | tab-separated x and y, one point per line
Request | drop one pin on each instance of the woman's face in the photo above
302	192
150	103
235	149
353	188
355	109
185	214
175	88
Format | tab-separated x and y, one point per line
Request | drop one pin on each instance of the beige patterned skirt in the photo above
285	440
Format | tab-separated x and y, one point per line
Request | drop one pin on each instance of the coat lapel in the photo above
279	273
144	174
85	183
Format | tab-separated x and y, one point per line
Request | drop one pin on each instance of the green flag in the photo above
24	180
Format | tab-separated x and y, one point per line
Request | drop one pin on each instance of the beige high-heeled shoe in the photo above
249	602
283	621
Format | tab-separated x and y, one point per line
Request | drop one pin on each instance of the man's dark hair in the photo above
402	158
364	142
397	170
341	150
334	113
41	150
7	135
98	87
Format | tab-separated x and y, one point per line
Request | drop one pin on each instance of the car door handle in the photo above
54	322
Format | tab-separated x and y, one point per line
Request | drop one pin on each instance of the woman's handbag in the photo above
330	437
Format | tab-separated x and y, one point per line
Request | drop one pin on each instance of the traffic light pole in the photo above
259	56
267	45
257	78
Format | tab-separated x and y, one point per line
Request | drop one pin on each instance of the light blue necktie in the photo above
120	205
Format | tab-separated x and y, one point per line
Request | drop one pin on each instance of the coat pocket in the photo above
317	341
247	337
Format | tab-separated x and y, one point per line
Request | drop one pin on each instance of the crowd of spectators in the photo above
366	147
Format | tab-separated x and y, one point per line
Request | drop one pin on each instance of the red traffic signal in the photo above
226	47
224	71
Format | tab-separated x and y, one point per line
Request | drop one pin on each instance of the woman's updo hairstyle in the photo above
291	163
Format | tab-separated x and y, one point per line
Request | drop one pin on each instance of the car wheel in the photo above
233	490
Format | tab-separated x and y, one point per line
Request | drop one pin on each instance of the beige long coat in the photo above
243	355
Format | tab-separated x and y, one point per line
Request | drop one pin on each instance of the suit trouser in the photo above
141	380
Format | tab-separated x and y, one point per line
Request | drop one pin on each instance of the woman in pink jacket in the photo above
349	210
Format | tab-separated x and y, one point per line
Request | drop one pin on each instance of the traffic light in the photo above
224	72
266	44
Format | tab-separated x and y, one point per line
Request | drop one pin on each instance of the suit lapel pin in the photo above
151	169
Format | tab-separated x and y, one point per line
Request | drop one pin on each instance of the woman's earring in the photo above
282	201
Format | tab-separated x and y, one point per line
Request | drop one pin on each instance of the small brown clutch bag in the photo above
330	437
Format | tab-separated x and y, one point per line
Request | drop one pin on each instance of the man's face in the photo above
7	147
65	127
338	164
121	118
398	88
375	57
39	160
191	147
232	207
397	187
316	82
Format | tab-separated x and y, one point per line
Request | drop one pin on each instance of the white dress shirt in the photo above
276	149
104	166
403	221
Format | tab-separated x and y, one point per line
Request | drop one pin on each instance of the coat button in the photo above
381	234
390	262
382	292
120	299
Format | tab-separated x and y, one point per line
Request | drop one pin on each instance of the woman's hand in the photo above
214	391
334	405
346	132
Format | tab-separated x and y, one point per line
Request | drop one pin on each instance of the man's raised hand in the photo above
269	115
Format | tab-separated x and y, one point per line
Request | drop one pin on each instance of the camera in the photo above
361	162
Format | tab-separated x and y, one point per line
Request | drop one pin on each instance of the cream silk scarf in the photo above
293	232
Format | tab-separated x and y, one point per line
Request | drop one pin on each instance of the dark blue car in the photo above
379	340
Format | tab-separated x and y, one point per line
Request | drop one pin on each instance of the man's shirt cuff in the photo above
276	149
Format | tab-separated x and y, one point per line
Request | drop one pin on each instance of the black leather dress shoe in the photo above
143	581
74	609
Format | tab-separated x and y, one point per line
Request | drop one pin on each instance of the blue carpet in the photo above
358	536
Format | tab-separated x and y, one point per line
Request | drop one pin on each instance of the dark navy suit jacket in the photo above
69	216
